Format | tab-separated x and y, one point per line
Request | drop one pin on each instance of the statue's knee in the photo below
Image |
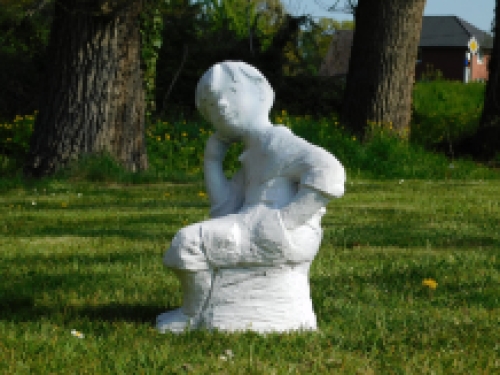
305	244
186	250
186	237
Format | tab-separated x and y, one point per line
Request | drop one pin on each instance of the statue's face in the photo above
230	106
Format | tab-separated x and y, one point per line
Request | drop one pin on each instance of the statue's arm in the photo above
322	178
225	195
306	203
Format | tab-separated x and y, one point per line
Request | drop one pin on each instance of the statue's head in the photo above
234	96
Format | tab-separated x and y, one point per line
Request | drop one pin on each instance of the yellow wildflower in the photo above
64	204
430	283
184	134
202	194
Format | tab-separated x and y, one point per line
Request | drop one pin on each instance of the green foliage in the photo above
180	40
445	112
93	168
151	39
309	95
313	42
14	143
23	41
176	146
431	74
197	35
244	18
89	258
382	154
175	150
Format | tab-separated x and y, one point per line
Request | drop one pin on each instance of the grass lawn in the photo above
88	257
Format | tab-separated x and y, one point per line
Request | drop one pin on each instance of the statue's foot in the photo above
174	321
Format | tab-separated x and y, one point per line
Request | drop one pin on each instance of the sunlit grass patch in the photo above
95	266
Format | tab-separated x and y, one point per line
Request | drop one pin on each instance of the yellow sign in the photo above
473	45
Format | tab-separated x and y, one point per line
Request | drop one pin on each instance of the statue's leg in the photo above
187	260
196	287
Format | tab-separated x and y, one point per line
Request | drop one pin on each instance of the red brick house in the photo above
443	46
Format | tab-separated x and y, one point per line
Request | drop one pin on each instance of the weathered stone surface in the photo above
247	267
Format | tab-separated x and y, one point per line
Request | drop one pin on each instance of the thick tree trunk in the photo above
382	65
94	96
485	143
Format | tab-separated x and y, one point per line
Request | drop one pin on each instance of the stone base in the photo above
260	299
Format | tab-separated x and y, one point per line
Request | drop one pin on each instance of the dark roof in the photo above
451	31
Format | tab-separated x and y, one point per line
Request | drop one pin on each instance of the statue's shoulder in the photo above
281	139
283	144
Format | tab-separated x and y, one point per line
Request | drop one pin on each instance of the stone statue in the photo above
247	267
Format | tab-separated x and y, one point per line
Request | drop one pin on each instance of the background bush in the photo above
175	151
23	42
445	112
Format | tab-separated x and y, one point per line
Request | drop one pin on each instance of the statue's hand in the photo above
268	230
297	245
216	148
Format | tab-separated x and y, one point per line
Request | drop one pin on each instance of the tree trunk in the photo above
382	65
94	96
485	143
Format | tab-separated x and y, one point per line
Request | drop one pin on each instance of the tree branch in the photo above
176	76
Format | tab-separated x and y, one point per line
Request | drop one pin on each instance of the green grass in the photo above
87	256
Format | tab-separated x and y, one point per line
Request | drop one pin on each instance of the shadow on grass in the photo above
23	308
401	228
121	312
134	228
97	282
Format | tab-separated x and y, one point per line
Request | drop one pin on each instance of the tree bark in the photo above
94	96
382	65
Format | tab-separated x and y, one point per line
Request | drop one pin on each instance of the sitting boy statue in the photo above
247	267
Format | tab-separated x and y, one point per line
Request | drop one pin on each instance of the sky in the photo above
477	12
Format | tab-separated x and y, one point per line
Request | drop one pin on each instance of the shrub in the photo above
175	150
431	74
445	112
14	142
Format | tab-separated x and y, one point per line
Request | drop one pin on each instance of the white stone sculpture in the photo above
247	268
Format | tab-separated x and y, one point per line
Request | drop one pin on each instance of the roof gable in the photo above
451	31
